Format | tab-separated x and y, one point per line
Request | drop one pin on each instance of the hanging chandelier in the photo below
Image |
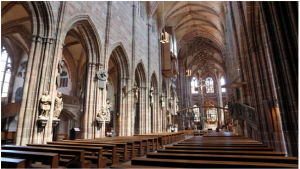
164	36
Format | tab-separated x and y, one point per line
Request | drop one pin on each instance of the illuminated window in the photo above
194	85
223	83
64	79
209	85
5	72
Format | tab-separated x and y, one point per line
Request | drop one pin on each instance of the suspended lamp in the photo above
164	36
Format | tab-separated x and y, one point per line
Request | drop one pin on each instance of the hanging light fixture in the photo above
164	36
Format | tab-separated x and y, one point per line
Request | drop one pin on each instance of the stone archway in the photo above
154	106
118	73
142	118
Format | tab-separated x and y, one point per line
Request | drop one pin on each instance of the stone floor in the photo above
129	162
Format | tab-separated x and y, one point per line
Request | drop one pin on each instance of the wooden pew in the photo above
7	135
79	154
113	155
214	157
53	158
61	137
139	143
12	163
206	164
100	160
256	153
122	145
220	148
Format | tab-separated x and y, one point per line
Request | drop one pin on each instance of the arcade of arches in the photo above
107	62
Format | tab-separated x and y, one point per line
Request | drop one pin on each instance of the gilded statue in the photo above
169	117
45	105
58	105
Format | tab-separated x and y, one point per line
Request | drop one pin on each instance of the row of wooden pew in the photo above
92	153
7	136
214	150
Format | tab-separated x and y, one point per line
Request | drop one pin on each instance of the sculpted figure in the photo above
169	117
45	104
171	103
58	106
102	114
151	95
108	106
59	67
162	101
136	93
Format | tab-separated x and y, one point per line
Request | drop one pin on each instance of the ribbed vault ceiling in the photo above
199	29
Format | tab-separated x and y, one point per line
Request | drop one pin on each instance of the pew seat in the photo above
12	163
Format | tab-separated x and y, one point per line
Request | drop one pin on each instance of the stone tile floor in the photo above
129	162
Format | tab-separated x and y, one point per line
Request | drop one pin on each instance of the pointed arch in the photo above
141	74
40	9
119	56
91	41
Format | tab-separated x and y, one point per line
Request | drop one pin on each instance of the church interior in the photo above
149	84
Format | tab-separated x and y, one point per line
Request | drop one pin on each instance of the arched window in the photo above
223	83
194	85
197	116
209	82
5	67
63	79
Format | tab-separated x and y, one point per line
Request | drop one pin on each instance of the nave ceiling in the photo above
200	32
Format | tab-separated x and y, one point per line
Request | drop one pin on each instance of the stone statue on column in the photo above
136	92
162	99
45	105
151	96
59	67
102	114
169	117
108	106
58	105
171	103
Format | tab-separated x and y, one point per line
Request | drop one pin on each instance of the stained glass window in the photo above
5	67
194	85
209	82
